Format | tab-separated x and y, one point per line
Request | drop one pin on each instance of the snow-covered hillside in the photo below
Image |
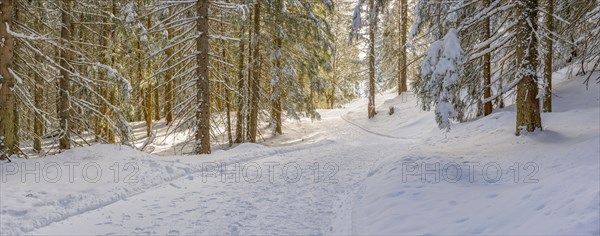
344	174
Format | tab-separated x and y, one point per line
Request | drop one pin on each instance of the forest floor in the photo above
343	174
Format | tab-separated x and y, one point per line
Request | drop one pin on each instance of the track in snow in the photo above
199	204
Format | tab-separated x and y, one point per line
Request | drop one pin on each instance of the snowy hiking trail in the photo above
190	205
370	195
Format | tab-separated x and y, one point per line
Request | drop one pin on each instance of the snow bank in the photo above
37	192
548	184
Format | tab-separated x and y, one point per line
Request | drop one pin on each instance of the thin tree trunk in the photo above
146	92
202	83
547	106
226	90
64	81
149	89
254	82
334	78
169	81
276	84
38	127
528	105
403	24
101	125
487	73
156	103
239	122
112	96
113	100
7	101
149	108
249	73
372	25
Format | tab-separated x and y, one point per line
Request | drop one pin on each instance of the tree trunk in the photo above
249	72
202	82
64	81
112	93
331	101
226	89
239	122
112	100
101	124
16	115
156	102
487	73
7	101
149	105
403	24
149	108
254	82
38	97
146	93
169	80
549	7
372	25
276	83
528	105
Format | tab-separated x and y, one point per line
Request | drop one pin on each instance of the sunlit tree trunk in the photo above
372	25
156	103
334	55
202	83
225	90
255	80
487	68
239	122
149	101
528	104
276	92
249	73
64	81
403	24
104	38
7	82
169	81
38	97
549	8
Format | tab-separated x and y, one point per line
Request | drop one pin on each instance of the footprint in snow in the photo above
492	195
14	213
396	194
540	207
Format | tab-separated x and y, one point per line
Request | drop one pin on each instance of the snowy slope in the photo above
557	190
358	188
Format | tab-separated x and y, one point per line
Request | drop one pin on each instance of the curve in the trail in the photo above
373	132
189	205
44	221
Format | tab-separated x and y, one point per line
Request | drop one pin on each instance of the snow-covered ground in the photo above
344	174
